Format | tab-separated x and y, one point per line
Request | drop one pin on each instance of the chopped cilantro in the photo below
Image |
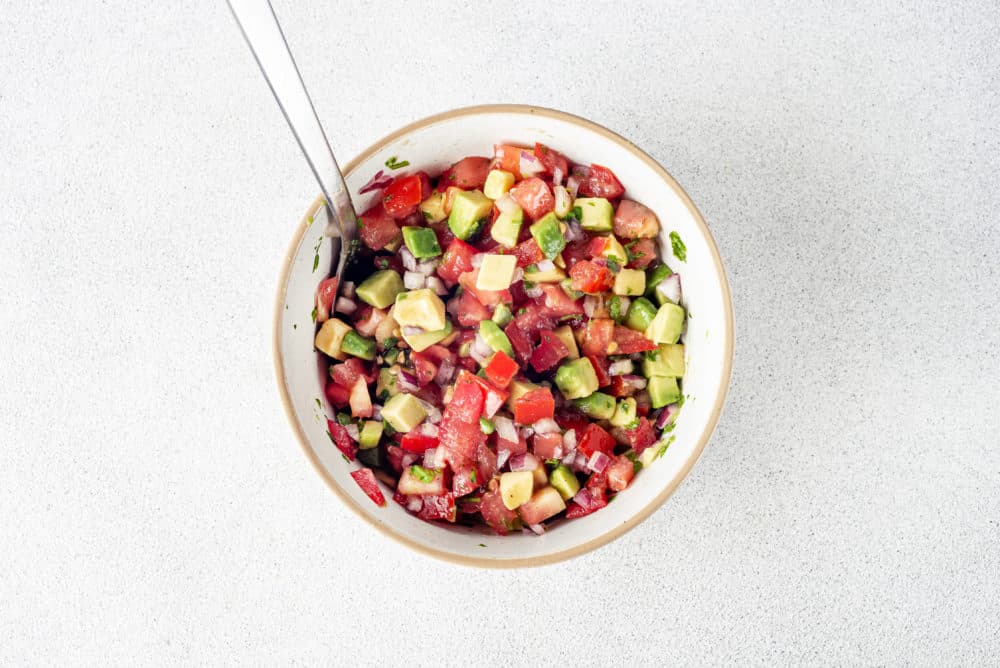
394	163
422	474
316	251
344	457
295	325
577	213
482	545
663	448
427	216
383	396
634	424
486	426
343	418
387	429
615	308
313	314
680	250
531	268
528	285
318	403
614	264
472	477
553	462
382	263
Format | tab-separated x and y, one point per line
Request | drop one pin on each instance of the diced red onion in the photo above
428	428
573	185
546	265
477	260
598	462
347	289
503	454
575	228
534	292
353	432
584	498
579	463
546	426
637	382
414	504
537	528
414	280
505	428
670	287
409	262
569	457
569	439
527	432
409	330
427	267
409	458
667	416
518	275
430	458
530	165
620	368
407	381
623	304
445	372
525	462
506	204
345	306
580	170
437	285
378	181
557	175
433	413
480	345
376	412
590	303
492	404
563	201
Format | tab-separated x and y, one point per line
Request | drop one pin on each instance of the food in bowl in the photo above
513	354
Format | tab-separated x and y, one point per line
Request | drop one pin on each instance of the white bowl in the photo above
432	144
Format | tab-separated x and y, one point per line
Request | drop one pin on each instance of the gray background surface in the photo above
155	508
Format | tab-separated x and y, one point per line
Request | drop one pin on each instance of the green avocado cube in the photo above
630	282
667	360
663	391
667	325
357	345
598	405
498	182
424	340
625	412
495	337
596	214
502	315
380	289
564	481
387	382
577	379
370	435
640	314
403	412
468	210
549	235
421	241
433	208
654	277
507	227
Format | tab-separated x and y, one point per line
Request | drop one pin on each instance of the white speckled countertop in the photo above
155	508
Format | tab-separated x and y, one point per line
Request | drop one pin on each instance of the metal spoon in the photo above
263	34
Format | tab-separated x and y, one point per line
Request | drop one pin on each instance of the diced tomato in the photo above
595	439
347	373
544	504
630	341
591	277
467	173
360	400
534	196
508	158
395	456
619	388
486	297
497	515
533	406
638	438
341	439
457	260
444	234
438	507
620	473
486	461
493	398
549	352
575	510
574	421
424	367
528	252
325	294
377	228
532	318
548	446
551	160
469	312
518	447
597	336
366	481
468	364
641	252
558	303
501	369
401	197
635	221
337	395
578	250
465	481
601	182
601	366
519	341
416	442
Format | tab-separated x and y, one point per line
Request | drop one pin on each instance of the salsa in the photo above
514	353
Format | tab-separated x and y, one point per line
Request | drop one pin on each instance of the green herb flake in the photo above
614	264
422	474
482	545
381	263
316	251
313	314
553	462
344	419
578	213
395	163
344	457
318	403
680	250
472	477
295	325
486	426
663	448
634	424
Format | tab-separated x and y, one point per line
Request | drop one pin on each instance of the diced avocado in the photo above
380	289
422	341
403	412
667	325
640	314
502	315
357	345
630	282
387	382
565	334
564	481
498	182
625	412
516	488
652	453
507	227
654	277
496	272
330	337
420	308
433	208
567	286
464	349
559	261
495	337
533	275
486	426
549	235
667	360
422	241
598	405
370	435
517	389
564	201
372	457
663	391
576	379
596	213
468	209
614	250
540	475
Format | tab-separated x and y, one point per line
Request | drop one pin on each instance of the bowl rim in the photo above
615	531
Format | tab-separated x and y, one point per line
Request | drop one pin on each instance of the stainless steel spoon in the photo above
263	34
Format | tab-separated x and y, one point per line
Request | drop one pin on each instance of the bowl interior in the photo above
432	145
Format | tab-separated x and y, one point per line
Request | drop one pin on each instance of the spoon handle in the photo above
263	34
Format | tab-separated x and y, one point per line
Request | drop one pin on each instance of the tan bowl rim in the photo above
614	532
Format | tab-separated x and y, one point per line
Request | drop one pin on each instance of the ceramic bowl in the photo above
433	144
